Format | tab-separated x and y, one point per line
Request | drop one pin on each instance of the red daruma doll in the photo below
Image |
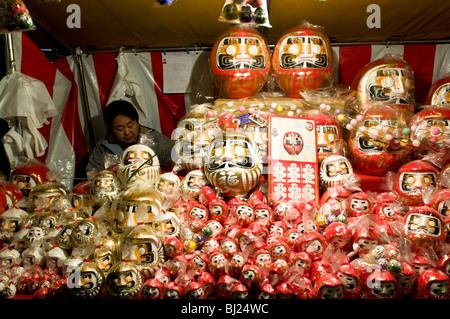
302	60
240	62
424	226
377	143
412	178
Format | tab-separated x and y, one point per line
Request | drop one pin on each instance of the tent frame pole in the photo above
11	65
11	68
85	100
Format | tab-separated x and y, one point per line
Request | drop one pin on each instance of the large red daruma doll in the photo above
302	60
377	154
439	93
389	80
240	62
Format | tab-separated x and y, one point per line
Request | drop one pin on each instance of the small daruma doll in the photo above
105	187
29	174
240	62
412	178
377	143
192	137
234	164
389	80
302	60
335	170
192	183
330	140
425	227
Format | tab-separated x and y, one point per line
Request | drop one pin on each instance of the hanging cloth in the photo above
126	86
26	104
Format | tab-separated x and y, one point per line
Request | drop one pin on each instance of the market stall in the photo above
310	149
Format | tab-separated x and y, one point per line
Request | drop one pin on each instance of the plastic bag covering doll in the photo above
378	143
329	286
430	128
168	185
389	80
43	194
11	221
141	244
425	227
192	183
414	177
138	164
335	170
302	60
240	62
28	174
192	136
105	187
130	201
439	93
234	164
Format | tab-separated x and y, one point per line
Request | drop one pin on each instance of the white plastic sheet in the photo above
126	86
26	104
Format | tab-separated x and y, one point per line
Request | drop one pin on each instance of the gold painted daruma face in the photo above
45	193
142	245
234	164
124	280
105	187
389	80
439	92
128	204
89	282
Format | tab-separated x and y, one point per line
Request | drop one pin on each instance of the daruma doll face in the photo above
389	80
378	154
240	62
234	164
439	93
302	60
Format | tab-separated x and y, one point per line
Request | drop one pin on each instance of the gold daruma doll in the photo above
302	60
234	164
439	92
240	62
389	80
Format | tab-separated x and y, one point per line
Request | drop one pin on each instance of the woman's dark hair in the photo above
119	107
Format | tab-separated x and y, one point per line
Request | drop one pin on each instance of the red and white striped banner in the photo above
108	74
